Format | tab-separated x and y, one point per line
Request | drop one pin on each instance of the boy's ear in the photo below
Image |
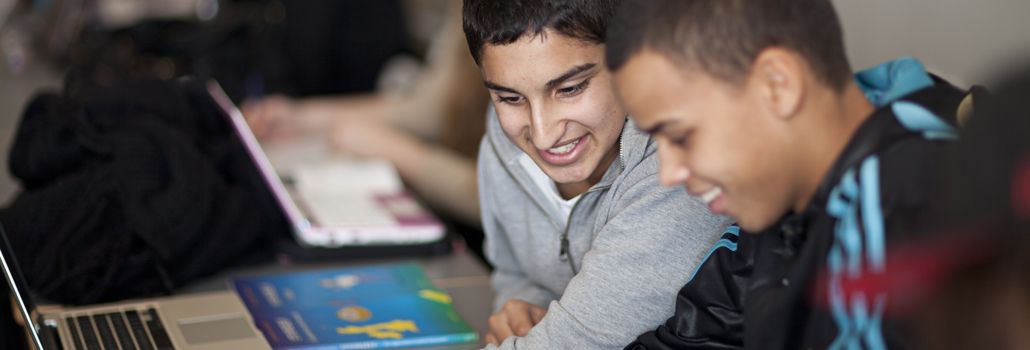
778	74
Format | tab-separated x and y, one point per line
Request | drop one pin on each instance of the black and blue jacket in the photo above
788	288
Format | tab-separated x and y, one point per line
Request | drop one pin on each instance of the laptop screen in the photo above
19	288
282	196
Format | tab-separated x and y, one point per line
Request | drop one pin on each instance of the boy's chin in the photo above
567	178
569	174
754	225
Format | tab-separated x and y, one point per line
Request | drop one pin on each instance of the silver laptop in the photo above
324	218
195	322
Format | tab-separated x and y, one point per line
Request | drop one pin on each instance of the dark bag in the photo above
133	190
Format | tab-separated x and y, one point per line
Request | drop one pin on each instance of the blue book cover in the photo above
374	307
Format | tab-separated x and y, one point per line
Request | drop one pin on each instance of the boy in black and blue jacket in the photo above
756	111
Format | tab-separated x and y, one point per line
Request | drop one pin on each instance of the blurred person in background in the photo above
977	284
387	79
427	120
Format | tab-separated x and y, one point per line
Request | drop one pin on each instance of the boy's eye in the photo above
509	99
569	90
573	90
680	140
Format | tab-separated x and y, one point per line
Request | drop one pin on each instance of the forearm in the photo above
443	178
510	286
315	114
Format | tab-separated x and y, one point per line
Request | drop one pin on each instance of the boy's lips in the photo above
564	154
714	199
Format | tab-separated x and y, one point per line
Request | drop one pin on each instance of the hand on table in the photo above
515	318
272	117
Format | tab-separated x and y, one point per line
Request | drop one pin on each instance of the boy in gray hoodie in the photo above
587	248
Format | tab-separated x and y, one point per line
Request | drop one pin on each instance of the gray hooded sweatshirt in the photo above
632	244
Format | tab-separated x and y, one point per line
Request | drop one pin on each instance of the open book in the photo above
373	307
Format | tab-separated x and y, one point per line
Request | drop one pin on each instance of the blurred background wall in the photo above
965	41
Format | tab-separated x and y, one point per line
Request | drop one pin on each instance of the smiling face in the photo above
554	101
719	140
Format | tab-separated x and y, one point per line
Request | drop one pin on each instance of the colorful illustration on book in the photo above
381	306
340	282
354	313
388	330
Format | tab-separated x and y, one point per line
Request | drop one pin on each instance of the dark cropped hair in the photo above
723	37
501	22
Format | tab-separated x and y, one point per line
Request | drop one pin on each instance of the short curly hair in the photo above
723	37
497	22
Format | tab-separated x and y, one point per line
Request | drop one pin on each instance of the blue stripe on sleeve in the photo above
727	241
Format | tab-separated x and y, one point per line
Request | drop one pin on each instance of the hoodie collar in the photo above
889	81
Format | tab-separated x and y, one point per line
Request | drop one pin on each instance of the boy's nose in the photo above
546	128
672	168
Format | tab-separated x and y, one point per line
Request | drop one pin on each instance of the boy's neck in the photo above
571	190
833	124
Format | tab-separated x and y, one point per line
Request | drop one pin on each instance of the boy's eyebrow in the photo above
569	74
572	72
495	87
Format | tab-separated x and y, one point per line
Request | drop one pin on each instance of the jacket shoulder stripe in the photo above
918	119
728	241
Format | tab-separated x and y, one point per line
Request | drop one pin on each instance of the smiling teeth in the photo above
564	149
711	195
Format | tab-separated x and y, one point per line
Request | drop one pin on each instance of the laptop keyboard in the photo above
121	329
89	336
128	330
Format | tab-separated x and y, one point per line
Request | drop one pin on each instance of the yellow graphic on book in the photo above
354	313
388	330
436	296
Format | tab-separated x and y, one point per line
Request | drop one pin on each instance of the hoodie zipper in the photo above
564	253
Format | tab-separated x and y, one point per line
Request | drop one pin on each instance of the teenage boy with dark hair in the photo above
569	189
755	110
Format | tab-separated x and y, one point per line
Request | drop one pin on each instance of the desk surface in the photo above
459	273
